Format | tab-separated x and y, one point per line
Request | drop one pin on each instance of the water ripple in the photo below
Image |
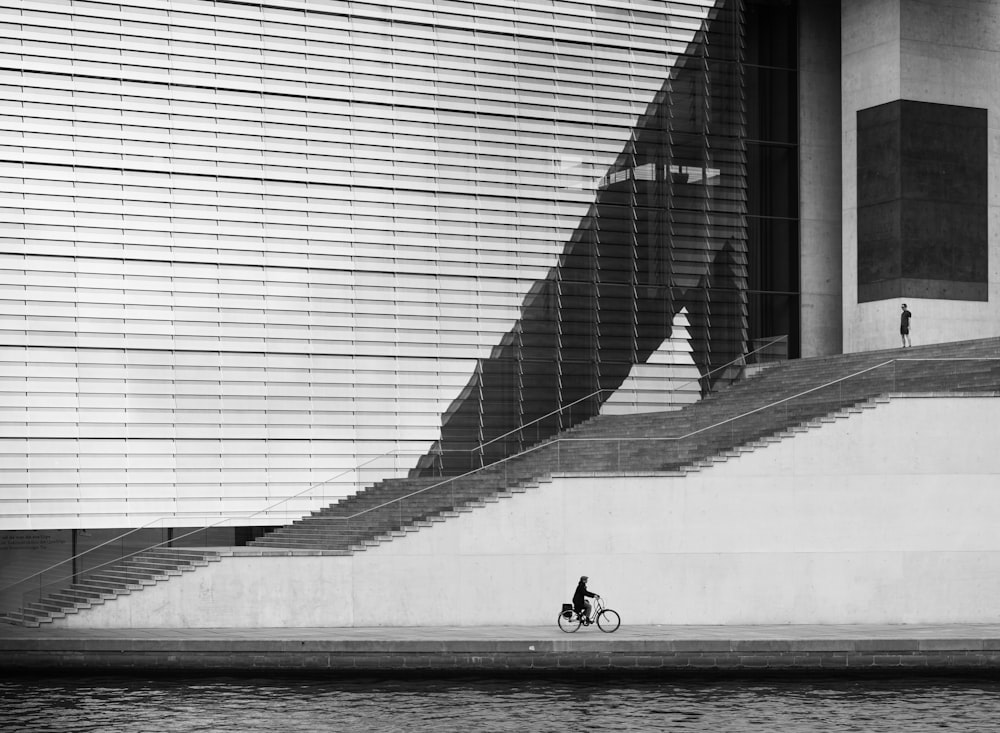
135	705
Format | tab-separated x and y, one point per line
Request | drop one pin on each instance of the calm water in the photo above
236	704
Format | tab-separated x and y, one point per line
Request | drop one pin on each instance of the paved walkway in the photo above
522	650
776	632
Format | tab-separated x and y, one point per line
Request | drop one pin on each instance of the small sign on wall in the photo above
25	553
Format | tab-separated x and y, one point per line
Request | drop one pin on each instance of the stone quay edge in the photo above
888	649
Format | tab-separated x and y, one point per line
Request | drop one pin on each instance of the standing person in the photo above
904	326
580	603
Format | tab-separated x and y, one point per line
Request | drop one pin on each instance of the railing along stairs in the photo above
668	441
769	403
87	578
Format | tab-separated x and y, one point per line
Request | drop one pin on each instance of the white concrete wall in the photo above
939	51
870	41
889	517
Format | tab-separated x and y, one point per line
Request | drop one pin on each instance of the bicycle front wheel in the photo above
568	622
608	620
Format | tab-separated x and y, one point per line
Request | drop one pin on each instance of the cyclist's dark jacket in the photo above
581	593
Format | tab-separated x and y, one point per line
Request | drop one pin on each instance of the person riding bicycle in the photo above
580	603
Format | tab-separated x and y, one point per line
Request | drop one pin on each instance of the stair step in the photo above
50	609
103	590
23	618
74	601
124	578
777	403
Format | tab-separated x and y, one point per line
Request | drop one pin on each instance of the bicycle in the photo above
606	619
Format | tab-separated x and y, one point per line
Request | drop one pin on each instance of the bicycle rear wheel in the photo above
569	621
608	620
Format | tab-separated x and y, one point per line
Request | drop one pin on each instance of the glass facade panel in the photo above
318	235
772	172
664	236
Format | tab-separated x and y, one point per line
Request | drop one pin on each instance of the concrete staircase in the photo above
775	403
792	394
108	582
780	397
396	507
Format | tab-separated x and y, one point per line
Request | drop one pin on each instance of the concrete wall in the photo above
886	517
940	51
819	177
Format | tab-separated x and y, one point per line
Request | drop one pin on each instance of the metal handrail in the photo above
151	523
796	396
451	479
668	438
730	363
558	410
781	401
231	517
830	384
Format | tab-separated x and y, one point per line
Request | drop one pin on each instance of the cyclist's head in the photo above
584	578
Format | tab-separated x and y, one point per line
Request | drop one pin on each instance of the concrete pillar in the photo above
943	52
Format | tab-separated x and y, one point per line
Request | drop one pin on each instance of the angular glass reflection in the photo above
666	232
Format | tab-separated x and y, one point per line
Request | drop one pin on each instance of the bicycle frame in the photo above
606	619
595	610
